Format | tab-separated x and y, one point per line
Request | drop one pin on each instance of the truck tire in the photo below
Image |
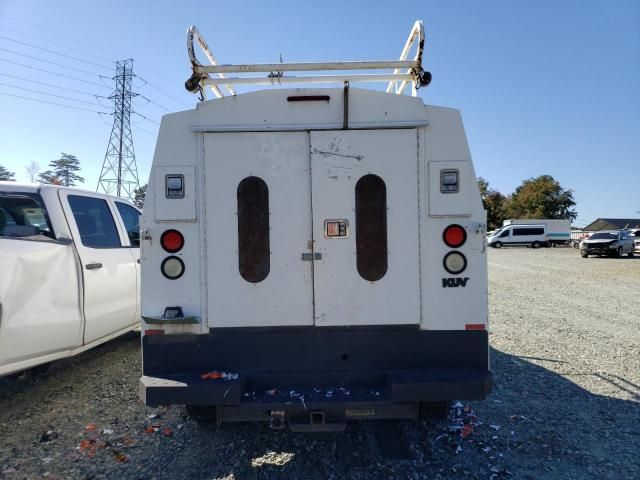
431	411
535	245
497	245
584	254
203	413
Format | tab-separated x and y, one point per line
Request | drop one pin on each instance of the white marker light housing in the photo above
455	262
172	268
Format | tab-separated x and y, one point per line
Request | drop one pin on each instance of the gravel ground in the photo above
565	336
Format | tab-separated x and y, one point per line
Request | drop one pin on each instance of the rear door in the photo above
108	266
365	227
130	217
258	229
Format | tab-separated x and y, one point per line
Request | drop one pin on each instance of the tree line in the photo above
538	197
63	171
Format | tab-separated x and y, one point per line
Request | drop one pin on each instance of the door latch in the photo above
309	257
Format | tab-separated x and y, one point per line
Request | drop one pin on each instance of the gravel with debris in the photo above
565	336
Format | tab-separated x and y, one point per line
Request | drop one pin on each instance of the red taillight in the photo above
454	236
474	326
154	332
172	241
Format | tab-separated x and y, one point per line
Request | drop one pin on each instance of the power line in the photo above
48	41
155	103
164	79
144	130
55	53
53	73
49	94
162	91
52	103
51	85
56	33
146	118
93	46
49	61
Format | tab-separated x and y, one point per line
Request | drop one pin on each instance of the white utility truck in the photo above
313	256
69	277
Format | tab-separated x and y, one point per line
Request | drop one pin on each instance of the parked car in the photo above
69	278
611	243
634	233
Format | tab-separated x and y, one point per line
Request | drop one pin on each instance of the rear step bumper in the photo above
342	372
397	388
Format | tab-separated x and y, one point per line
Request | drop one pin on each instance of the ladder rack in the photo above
213	76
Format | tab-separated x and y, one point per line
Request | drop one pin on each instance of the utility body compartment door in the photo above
365	227
258	229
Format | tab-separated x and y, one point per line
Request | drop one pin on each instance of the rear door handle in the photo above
93	266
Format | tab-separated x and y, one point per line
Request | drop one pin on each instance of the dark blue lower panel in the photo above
374	364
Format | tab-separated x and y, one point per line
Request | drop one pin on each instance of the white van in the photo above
558	231
313	256
534	236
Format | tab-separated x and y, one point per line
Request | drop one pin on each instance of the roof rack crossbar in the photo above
277	80
413	71
307	67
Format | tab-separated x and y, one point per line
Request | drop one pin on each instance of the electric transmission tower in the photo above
119	171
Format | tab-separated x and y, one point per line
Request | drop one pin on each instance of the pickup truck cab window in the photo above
131	219
23	215
95	223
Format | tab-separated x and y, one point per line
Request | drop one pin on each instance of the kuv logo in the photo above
454	282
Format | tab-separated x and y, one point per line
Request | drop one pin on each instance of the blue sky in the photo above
545	87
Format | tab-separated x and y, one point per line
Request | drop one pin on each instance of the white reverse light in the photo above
172	268
455	262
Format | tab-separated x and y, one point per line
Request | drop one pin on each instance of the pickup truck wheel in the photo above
203	413
431	411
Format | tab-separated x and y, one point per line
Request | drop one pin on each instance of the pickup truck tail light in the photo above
172	241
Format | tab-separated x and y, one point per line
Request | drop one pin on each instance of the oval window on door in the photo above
371	227
253	229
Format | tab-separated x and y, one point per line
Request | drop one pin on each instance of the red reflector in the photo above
454	236
474	326
172	241
154	332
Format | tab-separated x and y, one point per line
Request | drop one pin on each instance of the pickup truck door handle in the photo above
93	266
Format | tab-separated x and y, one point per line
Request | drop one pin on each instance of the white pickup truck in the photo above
69	276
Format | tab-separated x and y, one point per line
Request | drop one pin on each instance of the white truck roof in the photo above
40	187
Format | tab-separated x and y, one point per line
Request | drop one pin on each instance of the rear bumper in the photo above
309	368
